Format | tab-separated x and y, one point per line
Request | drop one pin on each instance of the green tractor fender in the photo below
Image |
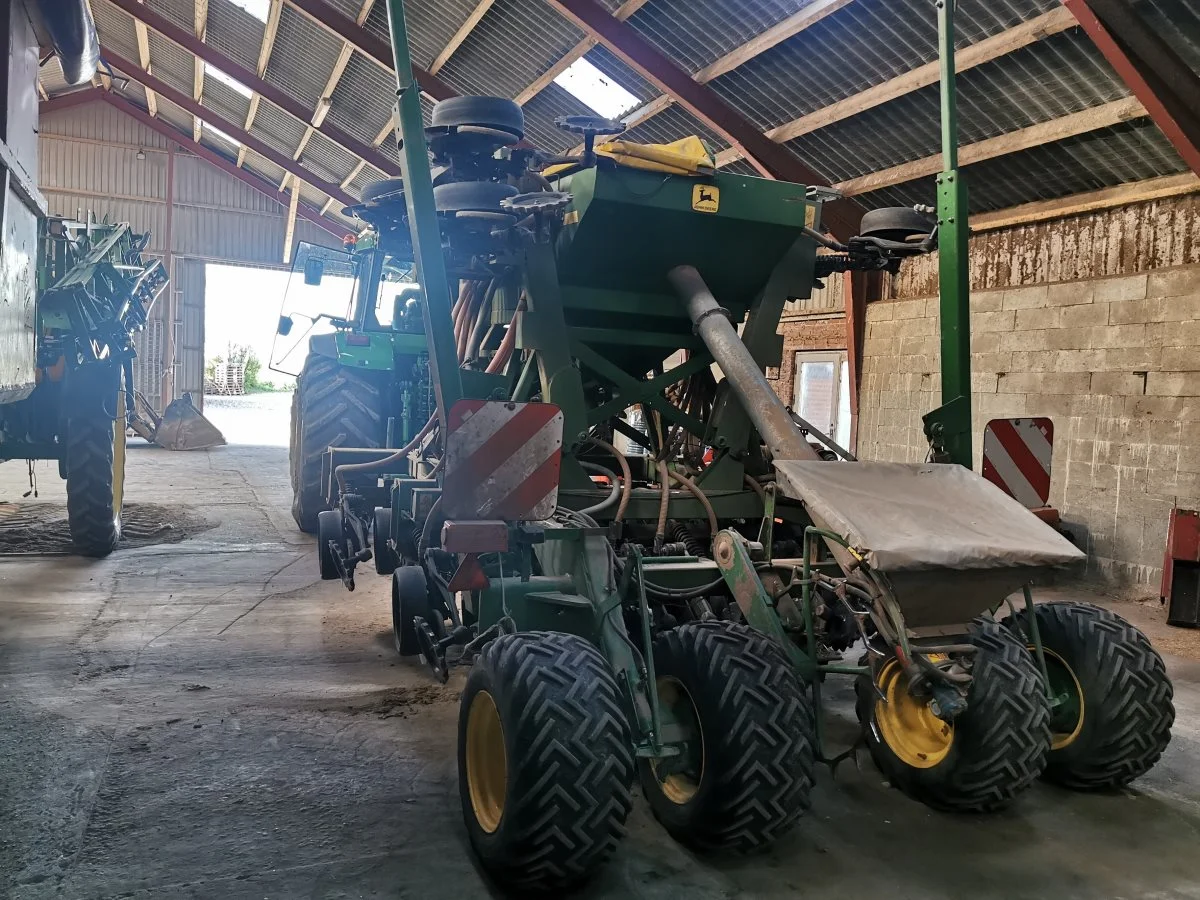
355	349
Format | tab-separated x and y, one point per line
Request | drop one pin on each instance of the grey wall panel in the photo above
90	162
189	327
101	122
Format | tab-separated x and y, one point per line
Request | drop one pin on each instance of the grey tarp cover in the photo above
917	517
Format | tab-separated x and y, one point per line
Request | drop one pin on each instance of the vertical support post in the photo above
854	295
953	272
426	232
168	307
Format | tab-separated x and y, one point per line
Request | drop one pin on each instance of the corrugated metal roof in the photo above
695	33
1129	152
327	159
1165	17
863	44
116	27
302	58
363	98
225	101
540	113
509	48
1032	85
233	32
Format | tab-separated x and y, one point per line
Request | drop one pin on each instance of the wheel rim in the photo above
1067	706
681	786
907	724
487	764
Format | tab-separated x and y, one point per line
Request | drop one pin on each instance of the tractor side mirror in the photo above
285	325
314	268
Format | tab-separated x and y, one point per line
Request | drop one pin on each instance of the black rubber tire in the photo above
757	729
410	598
329	528
489	112
1128	709
333	407
384	555
472	196
569	760
895	223
95	466
1001	742
392	188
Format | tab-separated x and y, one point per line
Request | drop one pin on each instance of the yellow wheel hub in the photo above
487	764
907	724
681	787
1066	717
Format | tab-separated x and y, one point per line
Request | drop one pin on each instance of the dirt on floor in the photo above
41	528
207	719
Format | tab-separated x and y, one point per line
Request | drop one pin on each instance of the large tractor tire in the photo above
95	464
1114	712
745	776
545	761
991	752
334	406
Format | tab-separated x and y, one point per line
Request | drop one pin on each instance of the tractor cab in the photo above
349	303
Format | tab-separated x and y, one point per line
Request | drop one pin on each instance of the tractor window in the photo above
319	298
395	279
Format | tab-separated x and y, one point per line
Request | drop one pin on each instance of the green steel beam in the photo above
426	232
954	416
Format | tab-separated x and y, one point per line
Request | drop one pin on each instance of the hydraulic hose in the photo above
626	475
613	494
660	531
497	363
504	351
699	495
380	464
756	487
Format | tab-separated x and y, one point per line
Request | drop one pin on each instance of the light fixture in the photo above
141	154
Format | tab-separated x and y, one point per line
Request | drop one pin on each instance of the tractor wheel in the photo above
410	598
329	530
992	752
545	760
1114	715
95	467
333	407
745	777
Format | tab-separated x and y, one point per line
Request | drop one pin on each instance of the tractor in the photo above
363	371
669	617
72	296
94	292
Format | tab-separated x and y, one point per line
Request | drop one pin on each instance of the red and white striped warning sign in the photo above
1016	458
502	460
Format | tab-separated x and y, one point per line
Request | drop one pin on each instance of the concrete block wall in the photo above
1114	361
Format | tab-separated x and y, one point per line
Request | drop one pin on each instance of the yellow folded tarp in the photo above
686	156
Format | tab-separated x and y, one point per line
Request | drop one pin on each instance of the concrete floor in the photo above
206	719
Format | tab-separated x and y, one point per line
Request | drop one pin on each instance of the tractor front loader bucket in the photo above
183	427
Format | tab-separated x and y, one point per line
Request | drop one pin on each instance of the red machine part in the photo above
1181	569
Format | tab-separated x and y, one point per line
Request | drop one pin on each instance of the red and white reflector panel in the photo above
1016	458
502	460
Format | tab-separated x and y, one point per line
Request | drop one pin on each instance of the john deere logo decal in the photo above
706	198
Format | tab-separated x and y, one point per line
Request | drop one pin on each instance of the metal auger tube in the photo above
768	413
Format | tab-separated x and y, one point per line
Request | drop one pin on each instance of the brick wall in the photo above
1114	361
823	331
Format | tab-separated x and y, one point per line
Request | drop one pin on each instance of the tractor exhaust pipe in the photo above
768	413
